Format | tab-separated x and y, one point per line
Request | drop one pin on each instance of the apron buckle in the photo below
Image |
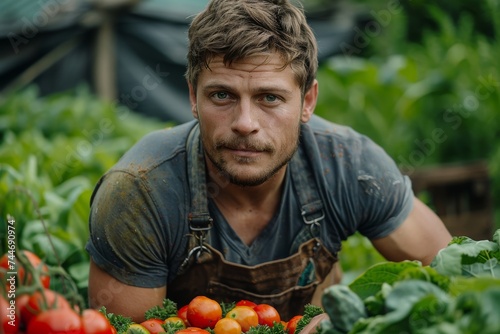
197	251
200	222
313	223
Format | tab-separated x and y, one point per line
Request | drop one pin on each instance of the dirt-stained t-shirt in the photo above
139	225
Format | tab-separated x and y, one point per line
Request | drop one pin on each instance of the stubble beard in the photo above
234	177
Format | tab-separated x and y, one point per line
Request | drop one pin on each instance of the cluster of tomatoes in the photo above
206	316
28	305
202	313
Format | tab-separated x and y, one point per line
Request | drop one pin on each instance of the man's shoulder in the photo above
334	132
341	150
155	149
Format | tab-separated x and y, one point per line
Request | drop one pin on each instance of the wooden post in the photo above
105	61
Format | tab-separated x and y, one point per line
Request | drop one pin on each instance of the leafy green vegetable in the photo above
477	312
119	322
403	308
428	311
167	309
469	258
407	297
460	284
376	304
426	273
53	150
310	311
226	307
343	306
278	328
406	293
371	281
172	327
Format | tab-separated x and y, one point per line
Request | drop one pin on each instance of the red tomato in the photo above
10	314
36	304
153	326
56	321
94	322
10	321
192	330
245	302
203	312
35	261
267	314
292	324
182	313
245	315
21	302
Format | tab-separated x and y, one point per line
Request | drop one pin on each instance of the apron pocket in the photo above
289	302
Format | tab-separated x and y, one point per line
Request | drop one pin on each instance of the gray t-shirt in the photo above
139	225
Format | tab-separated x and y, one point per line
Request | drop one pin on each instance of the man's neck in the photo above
248	209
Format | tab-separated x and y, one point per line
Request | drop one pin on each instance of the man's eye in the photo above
221	95
270	98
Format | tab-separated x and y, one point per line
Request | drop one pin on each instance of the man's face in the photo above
249	114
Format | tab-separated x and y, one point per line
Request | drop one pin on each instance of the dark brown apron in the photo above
287	284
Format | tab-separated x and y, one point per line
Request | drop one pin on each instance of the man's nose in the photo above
245	119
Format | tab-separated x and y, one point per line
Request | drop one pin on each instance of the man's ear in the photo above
310	99
192	100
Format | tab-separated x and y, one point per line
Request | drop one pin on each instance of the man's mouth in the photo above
243	148
244	151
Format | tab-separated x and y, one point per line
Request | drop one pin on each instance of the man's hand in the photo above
311	327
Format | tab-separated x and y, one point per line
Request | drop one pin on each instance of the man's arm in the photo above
119	298
419	237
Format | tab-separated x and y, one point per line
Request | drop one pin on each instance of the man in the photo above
252	199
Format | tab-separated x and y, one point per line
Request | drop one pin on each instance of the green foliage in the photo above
172	327
429	93
418	306
428	274
435	104
357	255
470	258
226	307
343	306
119	322
405	297
53	151
371	281
166	310
278	328
310	311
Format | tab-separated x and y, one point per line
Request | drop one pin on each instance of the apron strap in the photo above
197	179
311	205
199	218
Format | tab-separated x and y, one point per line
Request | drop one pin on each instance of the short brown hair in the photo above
236	29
